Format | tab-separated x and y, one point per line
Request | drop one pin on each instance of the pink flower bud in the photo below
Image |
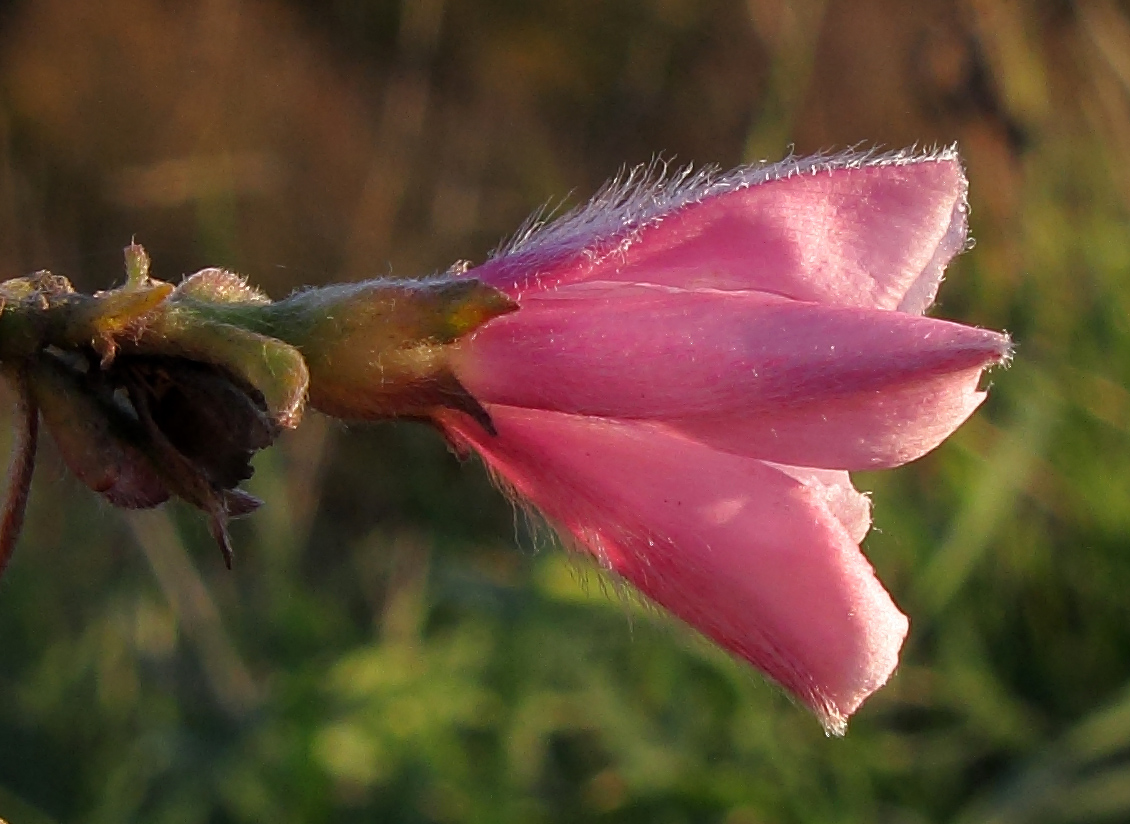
694	364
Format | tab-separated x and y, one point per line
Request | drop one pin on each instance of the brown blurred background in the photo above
308	141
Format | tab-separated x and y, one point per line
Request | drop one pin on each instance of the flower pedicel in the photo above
679	375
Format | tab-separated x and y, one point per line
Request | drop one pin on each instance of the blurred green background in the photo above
394	643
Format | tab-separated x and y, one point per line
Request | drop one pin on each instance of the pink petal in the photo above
877	431
850	506
848	230
796	383
738	549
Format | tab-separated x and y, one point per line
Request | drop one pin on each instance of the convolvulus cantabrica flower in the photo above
695	365
679	375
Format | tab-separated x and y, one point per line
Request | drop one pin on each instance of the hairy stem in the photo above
26	436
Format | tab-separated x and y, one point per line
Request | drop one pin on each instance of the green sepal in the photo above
274	368
382	349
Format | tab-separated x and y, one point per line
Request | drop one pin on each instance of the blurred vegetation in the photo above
393	645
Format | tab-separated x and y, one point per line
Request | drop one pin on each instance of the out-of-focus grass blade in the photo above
1065	782
188	595
989	500
19	811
